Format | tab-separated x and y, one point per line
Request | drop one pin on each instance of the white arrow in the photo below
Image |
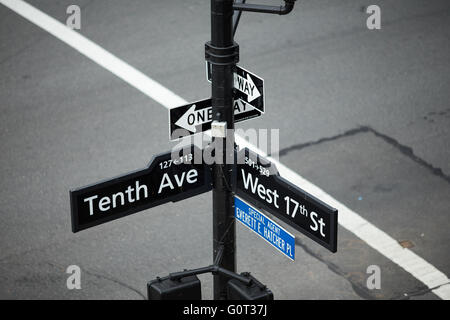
246	86
193	118
240	106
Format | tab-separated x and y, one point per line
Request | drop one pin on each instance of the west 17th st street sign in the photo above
166	179
258	182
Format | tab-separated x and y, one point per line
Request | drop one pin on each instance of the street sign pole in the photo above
173	177
223	54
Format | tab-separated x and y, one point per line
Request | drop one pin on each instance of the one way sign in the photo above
249	88
196	117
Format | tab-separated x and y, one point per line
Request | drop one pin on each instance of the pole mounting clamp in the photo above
222	56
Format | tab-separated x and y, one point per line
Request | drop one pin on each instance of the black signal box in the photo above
236	290
187	288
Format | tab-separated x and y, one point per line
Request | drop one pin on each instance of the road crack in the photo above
359	289
403	149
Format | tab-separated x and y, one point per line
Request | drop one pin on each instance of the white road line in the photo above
350	220
96	53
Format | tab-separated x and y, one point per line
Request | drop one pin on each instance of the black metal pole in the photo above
222	53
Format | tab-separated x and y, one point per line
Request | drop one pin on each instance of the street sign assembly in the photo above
170	177
197	116
258	182
265	227
248	187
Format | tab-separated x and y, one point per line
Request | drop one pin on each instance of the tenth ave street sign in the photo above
170	177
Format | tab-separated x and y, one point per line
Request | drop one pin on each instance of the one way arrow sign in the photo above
249	87
196	117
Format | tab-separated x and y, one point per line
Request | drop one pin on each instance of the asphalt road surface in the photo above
363	114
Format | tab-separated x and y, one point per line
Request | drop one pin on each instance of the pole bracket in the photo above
281	10
222	56
215	270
